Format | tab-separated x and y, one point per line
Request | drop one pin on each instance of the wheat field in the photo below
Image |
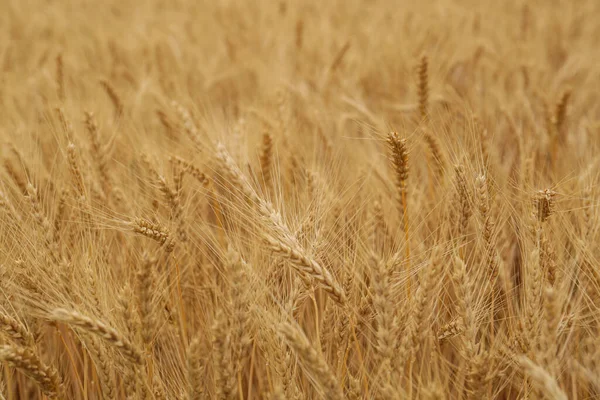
261	199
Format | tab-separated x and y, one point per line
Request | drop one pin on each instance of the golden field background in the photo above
286	200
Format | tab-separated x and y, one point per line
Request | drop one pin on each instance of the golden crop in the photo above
261	199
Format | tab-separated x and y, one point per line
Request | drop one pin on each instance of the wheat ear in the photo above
15	330
312	361
114	97
60	78
542	379
266	160
399	151
25	360
155	232
423	87
195	370
282	241
99	328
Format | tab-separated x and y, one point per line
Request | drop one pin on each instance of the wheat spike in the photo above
312	361
99	328
29	363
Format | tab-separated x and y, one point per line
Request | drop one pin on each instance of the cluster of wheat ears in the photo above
286	200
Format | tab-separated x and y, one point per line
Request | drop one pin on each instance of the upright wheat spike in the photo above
178	173
64	122
282	363
379	234
29	363
463	285
423	300
240	298
104	368
266	160
542	379
60	214
98	152
114	97
283	112
15	175
43	223
7	205
560	112
533	293
145	292
195	370
339	57
544	204
60	78
99	328
436	153
544	201
399	151
384	316
127	313
166	122
464	201
299	33
483	203
312	361
73	159
190	127
550	331
423	87
173	199
464	290
489	248
225	382
22	161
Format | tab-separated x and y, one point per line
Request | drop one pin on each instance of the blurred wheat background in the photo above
362	199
